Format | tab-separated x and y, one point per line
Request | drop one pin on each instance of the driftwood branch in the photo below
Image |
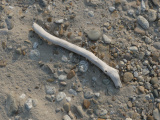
113	73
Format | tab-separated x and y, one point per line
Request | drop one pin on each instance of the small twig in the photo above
113	73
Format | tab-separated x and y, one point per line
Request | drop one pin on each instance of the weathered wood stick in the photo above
113	73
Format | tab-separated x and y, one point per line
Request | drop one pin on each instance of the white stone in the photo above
133	48
64	58
111	8
91	13
22	96
50	89
60	96
128	119
62	77
143	6
106	39
66	117
68	99
60	21
97	94
28	104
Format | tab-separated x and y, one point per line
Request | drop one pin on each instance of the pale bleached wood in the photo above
110	71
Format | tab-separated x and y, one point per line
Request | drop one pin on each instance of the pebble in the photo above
147	85
19	51
156	2
156	114
43	3
64	58
11	104
83	66
130	12
147	97
135	74
3	63
111	9
141	89
34	102
71	74
157	45
101	112
28	104
67	106
10	24
154	80
140	78
73	92
60	96
34	54
106	81
17	118
94	34
129	104
86	103
152	15
106	39
60	21
143	6
66	117
91	13
147	40
63	83
88	94
35	45
155	93
127	77
143	22
80	111
150	117
97	94
62	77
128	119
49	98
50	90
133	49
145	71
68	99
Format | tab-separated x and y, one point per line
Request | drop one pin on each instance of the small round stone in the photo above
152	15
94	34
127	77
154	80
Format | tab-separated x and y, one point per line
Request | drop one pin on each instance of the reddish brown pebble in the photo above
86	103
71	74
